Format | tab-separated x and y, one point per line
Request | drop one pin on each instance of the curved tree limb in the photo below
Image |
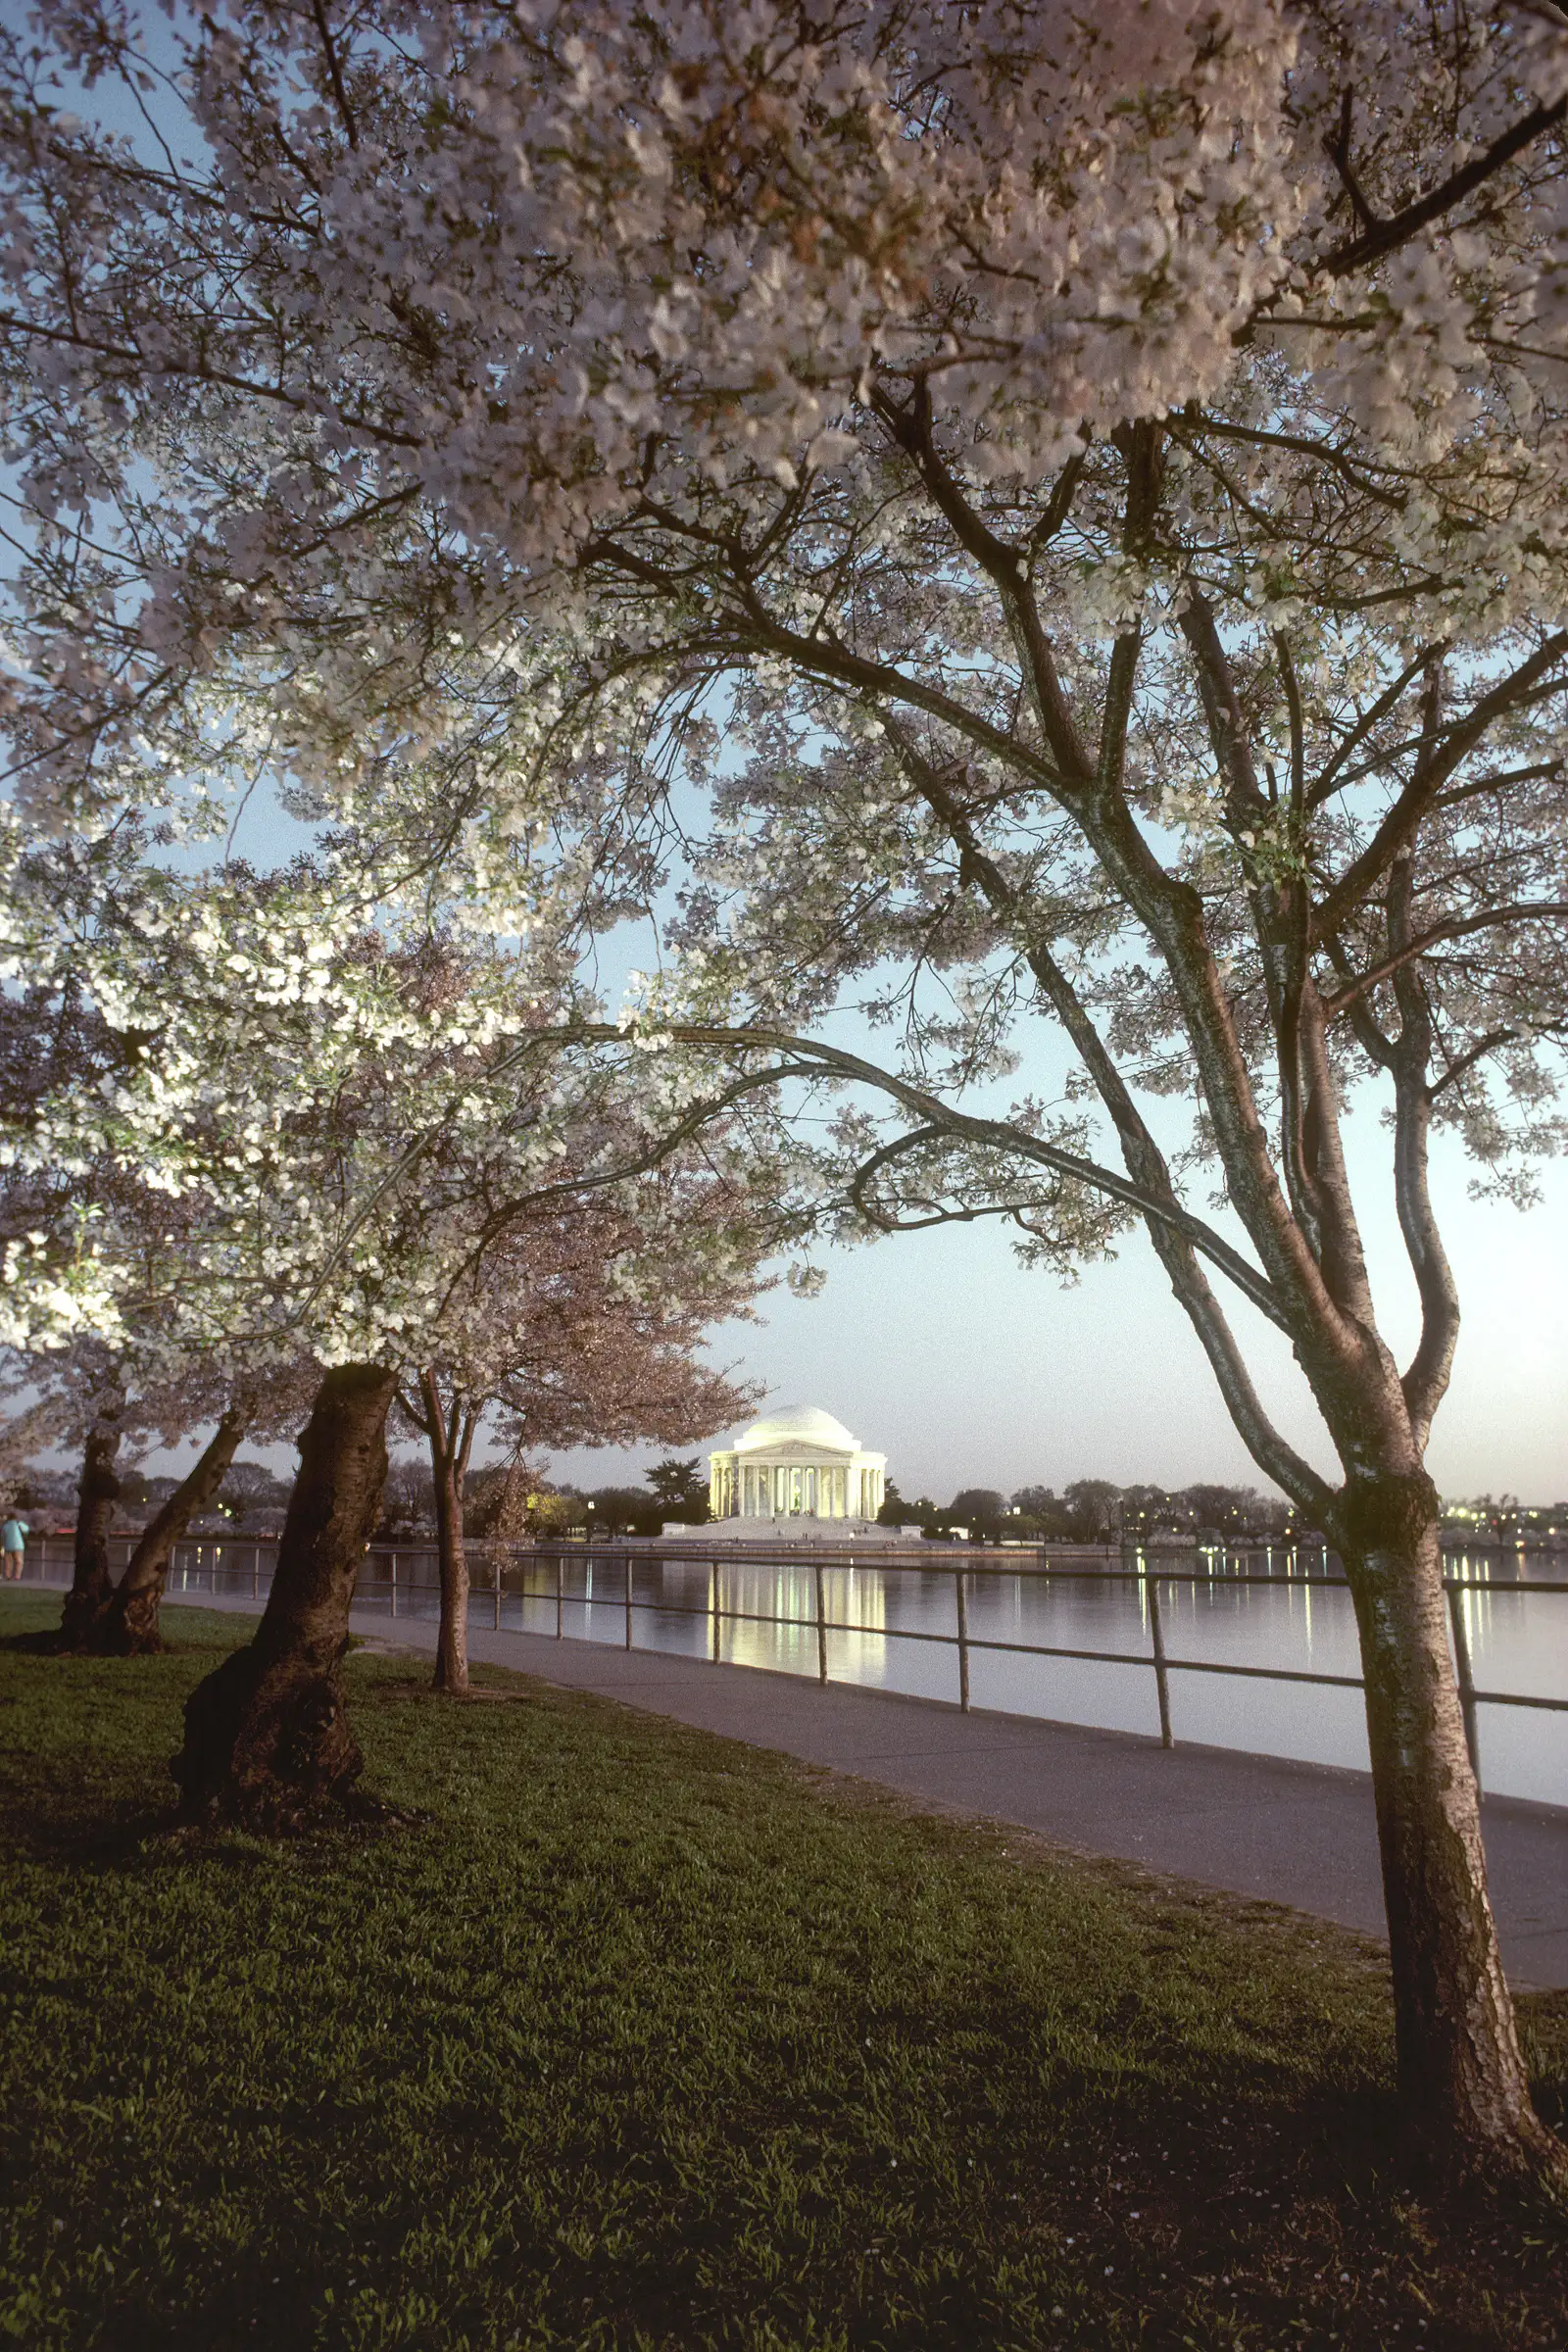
1426	1377
1420	943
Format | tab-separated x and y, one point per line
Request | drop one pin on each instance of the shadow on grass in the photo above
44	1643
136	1839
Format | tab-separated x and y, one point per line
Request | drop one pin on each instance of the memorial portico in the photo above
794	1467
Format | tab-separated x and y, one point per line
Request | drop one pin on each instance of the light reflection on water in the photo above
1518	1639
1518	1642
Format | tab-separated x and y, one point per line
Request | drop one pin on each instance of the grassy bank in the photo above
640	2038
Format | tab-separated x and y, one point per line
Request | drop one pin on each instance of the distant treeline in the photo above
1092	1510
508	1501
512	1502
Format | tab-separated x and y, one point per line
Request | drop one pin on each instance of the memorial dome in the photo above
796	1425
795	1466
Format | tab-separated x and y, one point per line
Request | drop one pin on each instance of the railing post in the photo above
964	1641
1467	1684
628	1600
496	1609
821	1622
1161	1676
561	1592
394	1584
713	1603
256	1572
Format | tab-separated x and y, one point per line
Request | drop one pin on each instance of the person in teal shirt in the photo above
13	1543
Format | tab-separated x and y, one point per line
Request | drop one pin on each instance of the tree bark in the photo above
127	1626
451	1642
96	1496
268	1743
1462	2075
451	1437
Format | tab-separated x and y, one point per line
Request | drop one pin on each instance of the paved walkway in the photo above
1296	1834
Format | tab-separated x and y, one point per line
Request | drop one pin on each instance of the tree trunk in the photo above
267	1742
96	1496
1462	2075
451	1642
128	1625
451	1436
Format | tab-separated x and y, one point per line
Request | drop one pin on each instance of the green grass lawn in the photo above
638	2037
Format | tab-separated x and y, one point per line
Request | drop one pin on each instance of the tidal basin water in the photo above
884	1618
1518	1642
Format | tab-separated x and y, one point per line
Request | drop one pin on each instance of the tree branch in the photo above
1384	702
1315	1175
335	73
435	1420
1338	150
812	1056
1461	927
1403	820
415	1412
911	427
1467	1061
1426	1378
1398	228
913	1141
1293	704
1277	1460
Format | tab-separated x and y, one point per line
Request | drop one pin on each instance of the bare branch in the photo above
1388	234
335	73
1490	1044
1461	927
1403	820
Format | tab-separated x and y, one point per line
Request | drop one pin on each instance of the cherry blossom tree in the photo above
1114	464
88	1396
145	1369
579	1325
313	1145
82	1391
267	1734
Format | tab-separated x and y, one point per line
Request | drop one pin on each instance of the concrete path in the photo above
1296	1834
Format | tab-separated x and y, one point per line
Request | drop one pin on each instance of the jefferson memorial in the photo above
798	1473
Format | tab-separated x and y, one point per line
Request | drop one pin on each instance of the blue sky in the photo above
968	1370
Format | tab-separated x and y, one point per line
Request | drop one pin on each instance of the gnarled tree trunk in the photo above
127	1626
1461	2074
450	1436
267	1742
96	1496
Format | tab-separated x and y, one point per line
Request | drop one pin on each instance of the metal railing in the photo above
245	1568
1148	1579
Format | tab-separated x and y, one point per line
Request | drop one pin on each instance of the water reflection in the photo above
893	1628
880	1622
